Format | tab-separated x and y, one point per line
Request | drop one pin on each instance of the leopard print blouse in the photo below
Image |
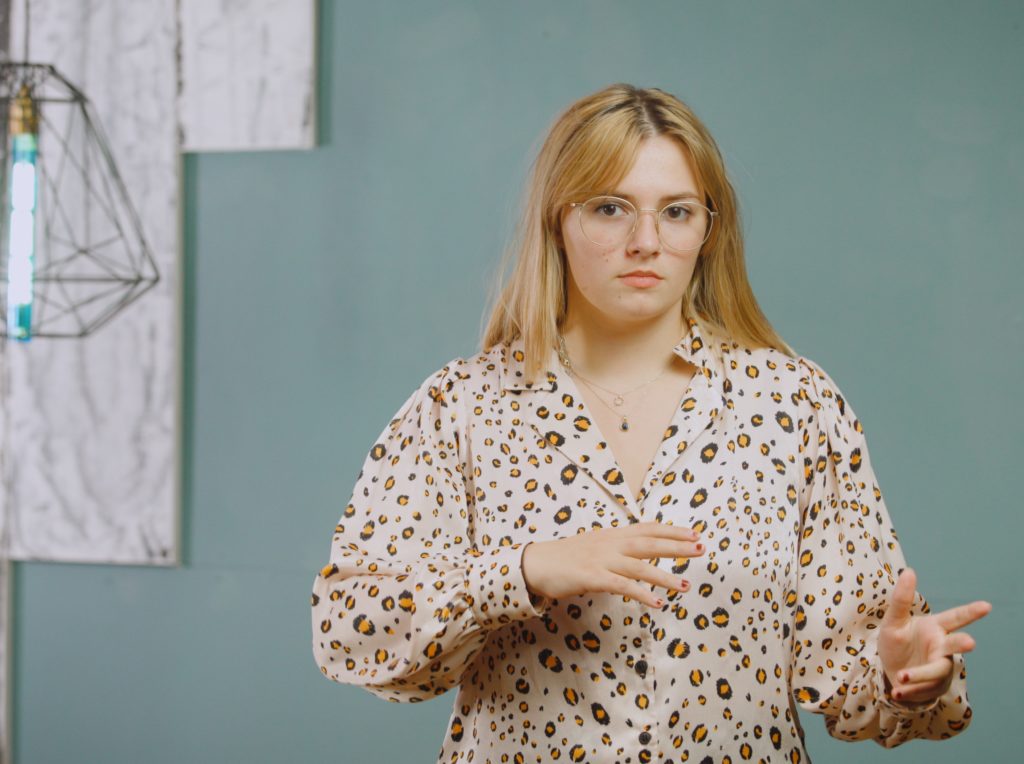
424	591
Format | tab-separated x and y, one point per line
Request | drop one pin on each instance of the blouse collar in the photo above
693	347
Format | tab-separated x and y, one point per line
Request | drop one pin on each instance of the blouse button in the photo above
641	667
645	737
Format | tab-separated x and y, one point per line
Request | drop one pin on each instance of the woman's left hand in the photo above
916	650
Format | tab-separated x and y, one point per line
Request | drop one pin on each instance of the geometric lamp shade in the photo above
74	255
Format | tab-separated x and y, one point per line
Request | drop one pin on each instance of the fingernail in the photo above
897	694
659	602
685	583
904	676
700	547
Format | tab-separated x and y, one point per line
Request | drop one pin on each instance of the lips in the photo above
641	273
641	280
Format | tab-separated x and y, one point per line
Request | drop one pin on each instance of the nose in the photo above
645	234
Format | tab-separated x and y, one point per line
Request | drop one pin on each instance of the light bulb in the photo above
21	213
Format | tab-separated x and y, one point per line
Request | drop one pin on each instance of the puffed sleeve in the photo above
406	600
849	558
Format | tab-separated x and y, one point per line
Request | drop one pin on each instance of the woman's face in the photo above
597	290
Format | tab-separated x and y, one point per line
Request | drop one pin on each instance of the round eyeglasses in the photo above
609	221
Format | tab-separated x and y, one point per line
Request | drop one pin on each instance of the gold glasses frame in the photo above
712	214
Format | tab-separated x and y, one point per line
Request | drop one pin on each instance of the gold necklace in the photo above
563	355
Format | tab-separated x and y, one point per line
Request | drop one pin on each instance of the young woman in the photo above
636	526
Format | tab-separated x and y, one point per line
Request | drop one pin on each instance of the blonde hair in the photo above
590	147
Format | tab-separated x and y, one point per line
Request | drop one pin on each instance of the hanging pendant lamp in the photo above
72	250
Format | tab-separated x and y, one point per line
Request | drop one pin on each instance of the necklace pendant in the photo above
619	400
624	425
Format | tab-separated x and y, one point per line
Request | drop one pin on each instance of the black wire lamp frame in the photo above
78	284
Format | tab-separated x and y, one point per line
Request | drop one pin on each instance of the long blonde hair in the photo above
590	147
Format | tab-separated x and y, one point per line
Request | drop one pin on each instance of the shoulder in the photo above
796	375
830	408
474	374
819	387
452	385
758	371
757	375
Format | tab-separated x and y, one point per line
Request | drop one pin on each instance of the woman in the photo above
637	525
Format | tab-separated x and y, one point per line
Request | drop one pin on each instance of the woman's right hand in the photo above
609	560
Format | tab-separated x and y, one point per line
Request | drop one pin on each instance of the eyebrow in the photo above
667	197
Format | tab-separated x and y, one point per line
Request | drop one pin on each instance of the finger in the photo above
898	612
957	617
916	692
636	570
960	642
647	548
628	587
665	530
926	672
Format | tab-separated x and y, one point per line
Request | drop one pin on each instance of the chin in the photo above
642	314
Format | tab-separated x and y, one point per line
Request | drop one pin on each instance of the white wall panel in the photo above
92	425
248	75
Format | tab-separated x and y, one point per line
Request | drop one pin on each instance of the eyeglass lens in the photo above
609	221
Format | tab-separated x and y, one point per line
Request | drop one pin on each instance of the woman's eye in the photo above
678	211
608	210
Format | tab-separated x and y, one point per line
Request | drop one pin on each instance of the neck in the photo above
622	356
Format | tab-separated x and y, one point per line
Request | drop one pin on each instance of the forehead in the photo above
661	168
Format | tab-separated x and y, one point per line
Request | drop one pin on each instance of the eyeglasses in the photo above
609	221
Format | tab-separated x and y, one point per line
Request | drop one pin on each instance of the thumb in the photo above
898	612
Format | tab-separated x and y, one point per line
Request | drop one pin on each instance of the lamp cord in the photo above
25	53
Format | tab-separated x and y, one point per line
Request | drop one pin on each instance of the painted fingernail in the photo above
685	583
904	676
700	547
897	694
659	602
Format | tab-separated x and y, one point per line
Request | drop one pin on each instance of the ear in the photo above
559	232
559	240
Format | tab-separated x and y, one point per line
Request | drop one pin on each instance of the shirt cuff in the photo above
499	591
895	707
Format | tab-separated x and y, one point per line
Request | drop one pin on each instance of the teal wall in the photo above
879	154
